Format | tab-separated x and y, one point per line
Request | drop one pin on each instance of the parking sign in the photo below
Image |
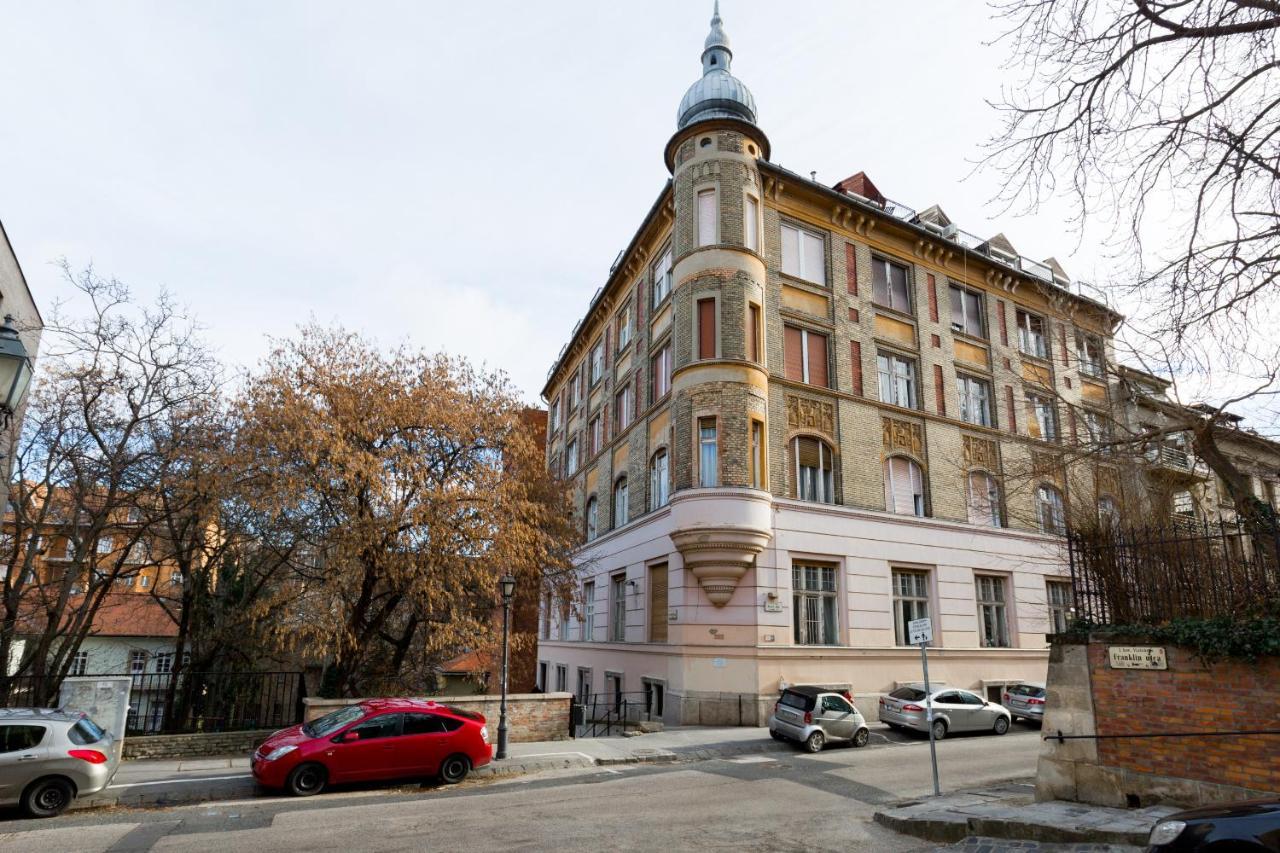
920	631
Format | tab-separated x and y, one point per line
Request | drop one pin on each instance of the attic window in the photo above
713	60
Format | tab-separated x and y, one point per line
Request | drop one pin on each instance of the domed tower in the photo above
721	505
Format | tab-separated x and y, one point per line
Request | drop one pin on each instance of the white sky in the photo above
458	176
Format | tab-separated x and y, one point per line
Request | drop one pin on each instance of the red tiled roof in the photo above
469	662
131	614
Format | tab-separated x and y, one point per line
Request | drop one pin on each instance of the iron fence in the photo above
604	714
1184	568
186	702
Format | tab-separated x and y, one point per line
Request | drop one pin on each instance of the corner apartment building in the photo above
790	414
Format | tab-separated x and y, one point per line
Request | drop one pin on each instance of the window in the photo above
618	608
903	486
805	356
620	509
562	630
661	373
592	506
137	662
584	685
588	611
910	601
812	473
1098	429
575	389
754	333
104	545
757	455
662	278
1089	354
80	663
813	605
597	362
595	436
623	407
1031	338
624	327
707	217
803	255
1108	511
175	578
993	627
15	738
164	662
706	328
984	499
384	725
1042	418
553	415
425	724
69	549
653	694
562	678
659	484
1058	597
542	684
975	400
966	312
571	458
1049	509
897	380
658	603
1184	504
544	625
144	581
889	285
708	456
751	224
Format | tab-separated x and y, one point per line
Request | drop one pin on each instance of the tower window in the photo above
705	142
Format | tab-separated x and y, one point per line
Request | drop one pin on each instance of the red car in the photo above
374	740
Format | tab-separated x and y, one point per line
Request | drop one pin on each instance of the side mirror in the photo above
349	737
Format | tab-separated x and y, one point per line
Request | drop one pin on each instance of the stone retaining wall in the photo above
530	716
203	744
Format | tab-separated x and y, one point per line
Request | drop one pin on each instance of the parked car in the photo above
813	716
1025	701
1250	826
954	710
379	739
48	758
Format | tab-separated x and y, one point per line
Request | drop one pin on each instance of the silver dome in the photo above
718	94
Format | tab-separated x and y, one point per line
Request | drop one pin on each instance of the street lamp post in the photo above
507	584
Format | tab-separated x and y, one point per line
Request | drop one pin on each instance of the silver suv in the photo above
814	715
48	758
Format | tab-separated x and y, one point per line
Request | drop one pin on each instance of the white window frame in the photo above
624	326
571	457
597	363
965	387
896	374
662	381
992	487
751	223
588	611
592	514
962	325
1031	342
624	406
888	278
659	479
908	604
708	229
799	269
757	450
820	592
708	452
661	272
621	501
137	662
991	594
1092	365
1059	602
822	480
1044	414
618	608
595	433
79	663
1050	509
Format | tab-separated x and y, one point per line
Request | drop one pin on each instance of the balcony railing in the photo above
1169	457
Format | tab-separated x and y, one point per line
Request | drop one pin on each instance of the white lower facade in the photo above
861	574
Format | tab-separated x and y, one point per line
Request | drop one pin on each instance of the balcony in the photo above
1175	461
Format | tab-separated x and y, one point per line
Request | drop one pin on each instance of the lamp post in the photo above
507	584
15	370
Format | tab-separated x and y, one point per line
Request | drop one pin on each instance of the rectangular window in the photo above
813	477
993	625
813	605
658	603
1058	596
662	278
624	327
104	545
706	328
897	380
584	685
553	415
164	662
805	356
623	407
707	217
571	458
597	362
708	453
803	255
544	626
966	312
588	611
562	626
757	455
595	433
80	663
1031	337
1089	354
751	224
910	601
137	662
753	333
661	369
1042	418
975	400
562	678
618	608
889	285
575	389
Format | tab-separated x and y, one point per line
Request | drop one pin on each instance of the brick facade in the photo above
531	717
192	745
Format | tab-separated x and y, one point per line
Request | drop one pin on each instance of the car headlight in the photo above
279	752
1166	831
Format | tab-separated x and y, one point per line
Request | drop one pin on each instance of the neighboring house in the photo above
470	674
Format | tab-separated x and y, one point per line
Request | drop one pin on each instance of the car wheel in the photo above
775	735
815	742
1001	726
862	737
939	729
306	780
48	797
454	769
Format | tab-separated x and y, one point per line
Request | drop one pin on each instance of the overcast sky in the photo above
456	175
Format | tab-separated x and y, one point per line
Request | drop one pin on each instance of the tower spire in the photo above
716	54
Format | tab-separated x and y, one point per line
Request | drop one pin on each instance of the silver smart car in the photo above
50	757
954	710
814	715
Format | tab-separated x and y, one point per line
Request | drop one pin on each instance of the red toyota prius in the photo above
374	740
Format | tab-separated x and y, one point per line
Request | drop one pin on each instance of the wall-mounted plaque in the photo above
1137	657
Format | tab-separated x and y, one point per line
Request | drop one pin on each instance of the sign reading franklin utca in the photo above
1137	657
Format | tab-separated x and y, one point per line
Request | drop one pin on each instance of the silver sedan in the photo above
954	710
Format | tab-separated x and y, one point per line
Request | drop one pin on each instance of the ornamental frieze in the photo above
980	453
903	435
811	414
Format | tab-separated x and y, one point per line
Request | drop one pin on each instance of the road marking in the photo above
753	759
183	781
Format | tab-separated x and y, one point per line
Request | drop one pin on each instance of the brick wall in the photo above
531	717
194	745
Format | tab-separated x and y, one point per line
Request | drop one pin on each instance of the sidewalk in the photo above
168	782
1011	812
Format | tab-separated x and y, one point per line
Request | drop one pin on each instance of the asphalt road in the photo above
753	802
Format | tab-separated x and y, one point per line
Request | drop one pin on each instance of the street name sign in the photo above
1137	657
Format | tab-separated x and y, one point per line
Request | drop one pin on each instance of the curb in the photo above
962	827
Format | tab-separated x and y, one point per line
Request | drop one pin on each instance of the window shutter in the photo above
790	250
793	355
851	268
706	328
933	297
814	266
939	391
658	603
751	225
807	453
706	217
818	360
855	365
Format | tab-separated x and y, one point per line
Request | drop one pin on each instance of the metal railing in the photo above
604	714
1169	457
187	702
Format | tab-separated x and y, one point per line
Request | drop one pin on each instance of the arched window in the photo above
620	508
812	472
903	486
591	518
1049	509
659	481
984	499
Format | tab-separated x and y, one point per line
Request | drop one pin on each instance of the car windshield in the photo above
797	700
85	732
1027	690
332	721
911	694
